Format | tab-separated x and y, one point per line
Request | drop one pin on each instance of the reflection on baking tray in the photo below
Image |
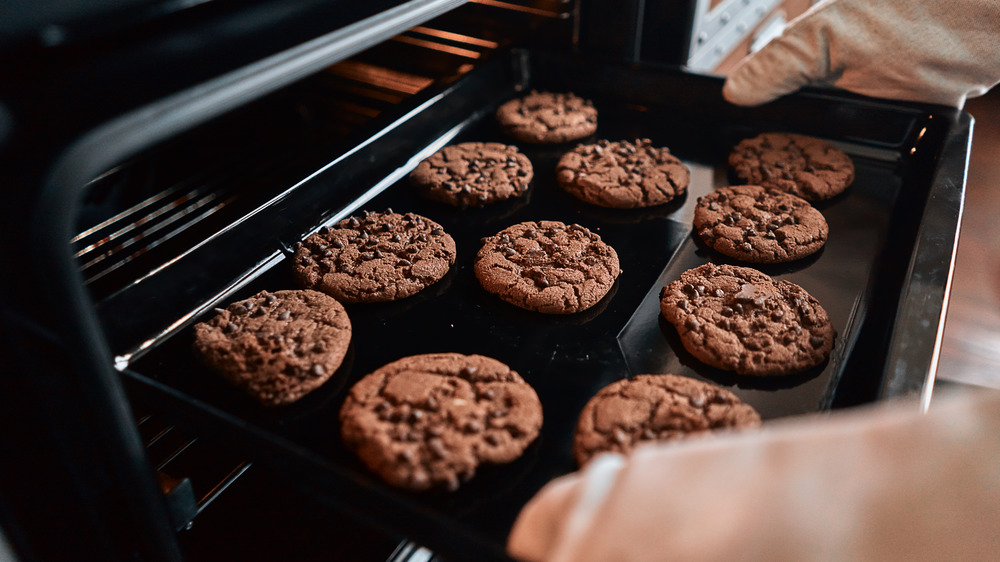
772	269
728	378
840	277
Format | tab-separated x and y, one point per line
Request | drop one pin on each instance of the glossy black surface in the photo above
840	276
568	358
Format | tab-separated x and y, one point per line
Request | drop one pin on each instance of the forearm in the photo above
885	484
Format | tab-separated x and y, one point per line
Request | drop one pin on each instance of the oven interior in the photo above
210	215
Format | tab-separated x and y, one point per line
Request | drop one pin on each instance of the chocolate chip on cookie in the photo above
656	408
739	319
548	118
431	420
376	257
622	175
547	266
473	174
276	346
755	224
810	168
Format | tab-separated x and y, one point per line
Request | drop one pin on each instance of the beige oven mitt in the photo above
936	51
883	483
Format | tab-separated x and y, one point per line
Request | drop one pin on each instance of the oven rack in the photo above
193	473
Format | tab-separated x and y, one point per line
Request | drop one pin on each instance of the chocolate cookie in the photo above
547	267
622	175
755	224
374	258
656	408
276	346
473	174
805	166
739	319
430	420
548	118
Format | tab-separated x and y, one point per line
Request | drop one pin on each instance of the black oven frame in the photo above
67	110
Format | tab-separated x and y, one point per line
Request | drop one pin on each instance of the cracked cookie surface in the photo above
548	118
473	174
741	320
808	167
754	224
547	266
429	421
276	346
656	408
376	257
623	174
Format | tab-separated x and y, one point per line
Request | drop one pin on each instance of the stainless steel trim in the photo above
924	301
409	551
211	495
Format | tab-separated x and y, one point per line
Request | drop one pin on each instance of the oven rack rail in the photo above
192	473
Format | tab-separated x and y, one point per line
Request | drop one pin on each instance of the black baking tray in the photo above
873	278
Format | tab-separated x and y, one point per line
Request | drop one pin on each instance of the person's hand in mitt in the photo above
934	51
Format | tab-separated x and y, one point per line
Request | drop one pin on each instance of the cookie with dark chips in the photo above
431	420
656	408
739	319
622	175
473	174
375	258
547	266
754	224
810	168
276	346
548	118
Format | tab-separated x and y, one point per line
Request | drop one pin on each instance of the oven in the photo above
162	159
